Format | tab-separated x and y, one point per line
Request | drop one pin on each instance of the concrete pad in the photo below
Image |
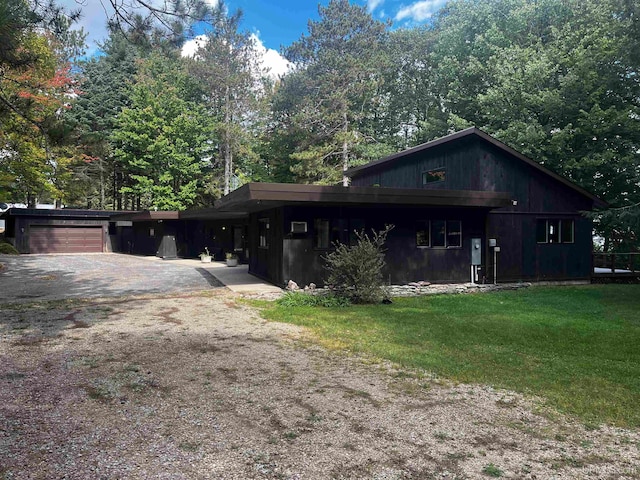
237	279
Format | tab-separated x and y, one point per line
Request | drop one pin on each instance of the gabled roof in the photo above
254	197
467	133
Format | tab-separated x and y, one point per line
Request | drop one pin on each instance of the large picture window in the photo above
439	233
555	230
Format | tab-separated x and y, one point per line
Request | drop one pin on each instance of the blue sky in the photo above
283	22
275	23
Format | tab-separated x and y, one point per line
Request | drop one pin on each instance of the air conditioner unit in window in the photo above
298	227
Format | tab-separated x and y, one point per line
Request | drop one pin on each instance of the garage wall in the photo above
66	239
60	235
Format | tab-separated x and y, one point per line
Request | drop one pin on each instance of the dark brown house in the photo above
465	207
460	205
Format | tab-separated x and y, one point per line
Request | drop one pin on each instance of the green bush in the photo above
355	272
301	299
7	249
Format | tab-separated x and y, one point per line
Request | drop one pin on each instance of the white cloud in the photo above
191	46
271	62
373	4
419	11
275	64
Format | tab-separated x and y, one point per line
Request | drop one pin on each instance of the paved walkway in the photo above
237	279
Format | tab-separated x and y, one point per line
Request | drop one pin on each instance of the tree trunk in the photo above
228	159
345	151
101	184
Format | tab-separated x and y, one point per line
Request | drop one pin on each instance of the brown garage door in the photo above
53	239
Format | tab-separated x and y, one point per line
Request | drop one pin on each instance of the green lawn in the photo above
577	347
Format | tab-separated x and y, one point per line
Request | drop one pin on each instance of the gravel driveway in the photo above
55	277
198	386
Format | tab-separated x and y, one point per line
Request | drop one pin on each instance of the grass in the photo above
492	471
577	347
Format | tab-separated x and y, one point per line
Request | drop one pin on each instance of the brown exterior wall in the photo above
267	262
293	256
20	228
474	164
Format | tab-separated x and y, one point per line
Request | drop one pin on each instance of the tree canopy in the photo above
141	126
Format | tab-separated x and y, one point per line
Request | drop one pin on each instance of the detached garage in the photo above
57	239
58	231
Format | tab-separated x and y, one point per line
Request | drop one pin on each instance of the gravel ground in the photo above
198	386
29	278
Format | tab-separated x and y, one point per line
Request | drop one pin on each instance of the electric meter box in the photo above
476	251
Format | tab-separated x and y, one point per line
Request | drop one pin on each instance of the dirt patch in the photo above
202	387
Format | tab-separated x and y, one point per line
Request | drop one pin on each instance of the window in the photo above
263	232
439	233
423	239
321	233
555	231
433	176
566	231
238	238
454	233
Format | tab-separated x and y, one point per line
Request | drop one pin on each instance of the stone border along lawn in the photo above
415	289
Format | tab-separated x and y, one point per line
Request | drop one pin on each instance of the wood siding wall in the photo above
267	262
474	164
293	256
190	238
18	224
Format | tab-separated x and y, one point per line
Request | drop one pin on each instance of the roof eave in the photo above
145	216
261	196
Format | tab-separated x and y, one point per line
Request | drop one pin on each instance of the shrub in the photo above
355	272
7	249
301	299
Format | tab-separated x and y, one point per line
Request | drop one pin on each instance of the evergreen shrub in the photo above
8	249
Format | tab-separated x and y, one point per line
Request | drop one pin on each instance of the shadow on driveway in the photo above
52	277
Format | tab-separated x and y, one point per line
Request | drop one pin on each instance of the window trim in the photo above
429	230
561	225
439	173
263	232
